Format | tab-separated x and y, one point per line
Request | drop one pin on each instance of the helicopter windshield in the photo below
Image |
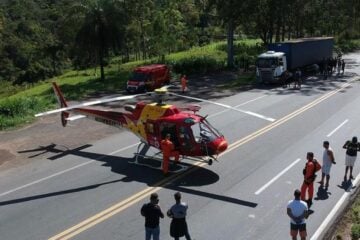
203	131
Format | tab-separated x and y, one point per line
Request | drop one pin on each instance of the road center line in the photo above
64	171
338	127
276	177
120	206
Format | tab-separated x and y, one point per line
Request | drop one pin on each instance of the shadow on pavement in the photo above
194	176
322	194
347	186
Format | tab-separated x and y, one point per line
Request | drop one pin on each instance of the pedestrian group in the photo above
298	209
177	212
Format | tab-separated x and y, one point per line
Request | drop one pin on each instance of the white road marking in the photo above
64	171
276	177
338	127
242	104
226	106
326	223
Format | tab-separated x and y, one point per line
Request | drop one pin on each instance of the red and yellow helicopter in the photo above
193	136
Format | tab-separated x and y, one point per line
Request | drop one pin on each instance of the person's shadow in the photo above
322	193
346	185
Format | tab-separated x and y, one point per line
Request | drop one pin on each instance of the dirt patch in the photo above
6	155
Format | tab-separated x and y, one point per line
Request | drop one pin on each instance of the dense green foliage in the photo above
41	38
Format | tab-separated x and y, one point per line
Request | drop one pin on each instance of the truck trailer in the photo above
291	55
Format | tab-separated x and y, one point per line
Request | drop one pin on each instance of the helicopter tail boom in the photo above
62	103
59	96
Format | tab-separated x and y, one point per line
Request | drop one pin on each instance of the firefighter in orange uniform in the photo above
168	151
183	83
311	167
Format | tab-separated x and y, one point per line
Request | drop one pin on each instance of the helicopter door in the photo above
169	128
185	139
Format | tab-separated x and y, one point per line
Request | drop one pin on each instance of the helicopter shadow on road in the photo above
194	176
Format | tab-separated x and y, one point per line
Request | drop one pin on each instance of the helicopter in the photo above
192	135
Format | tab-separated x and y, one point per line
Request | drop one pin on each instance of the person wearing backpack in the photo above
311	167
352	147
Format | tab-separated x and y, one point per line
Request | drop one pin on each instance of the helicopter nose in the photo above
222	146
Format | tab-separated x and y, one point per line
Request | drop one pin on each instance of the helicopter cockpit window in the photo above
203	131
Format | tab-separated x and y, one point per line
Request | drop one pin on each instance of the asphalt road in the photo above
93	192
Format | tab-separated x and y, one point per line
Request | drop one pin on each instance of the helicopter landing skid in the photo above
173	168
208	160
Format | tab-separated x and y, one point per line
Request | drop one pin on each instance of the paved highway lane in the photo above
222	198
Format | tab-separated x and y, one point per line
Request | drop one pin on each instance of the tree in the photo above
231	12
101	29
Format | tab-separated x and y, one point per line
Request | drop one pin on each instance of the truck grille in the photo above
266	76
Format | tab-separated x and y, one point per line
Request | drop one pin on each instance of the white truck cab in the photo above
270	66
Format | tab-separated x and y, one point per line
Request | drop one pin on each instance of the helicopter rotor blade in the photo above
91	103
225	106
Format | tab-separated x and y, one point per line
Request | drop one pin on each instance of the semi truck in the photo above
286	57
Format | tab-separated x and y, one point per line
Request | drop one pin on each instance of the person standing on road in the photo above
183	81
343	66
168	151
311	167
152	213
177	212
328	160
352	147
297	210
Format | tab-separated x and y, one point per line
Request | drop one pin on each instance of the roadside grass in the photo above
349	225
18	104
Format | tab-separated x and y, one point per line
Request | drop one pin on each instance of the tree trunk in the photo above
230	44
101	53
277	31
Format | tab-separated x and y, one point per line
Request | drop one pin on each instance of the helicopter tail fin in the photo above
62	102
59	96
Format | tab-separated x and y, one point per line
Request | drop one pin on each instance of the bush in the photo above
355	232
200	64
16	111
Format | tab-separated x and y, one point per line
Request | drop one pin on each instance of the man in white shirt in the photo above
297	210
328	160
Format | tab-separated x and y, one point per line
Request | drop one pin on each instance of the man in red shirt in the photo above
168	151
311	167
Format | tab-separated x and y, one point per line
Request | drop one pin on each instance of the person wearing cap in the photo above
352	147
297	210
152	213
167	148
178	226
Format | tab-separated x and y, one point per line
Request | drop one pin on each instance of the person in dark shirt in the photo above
352	147
152	213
